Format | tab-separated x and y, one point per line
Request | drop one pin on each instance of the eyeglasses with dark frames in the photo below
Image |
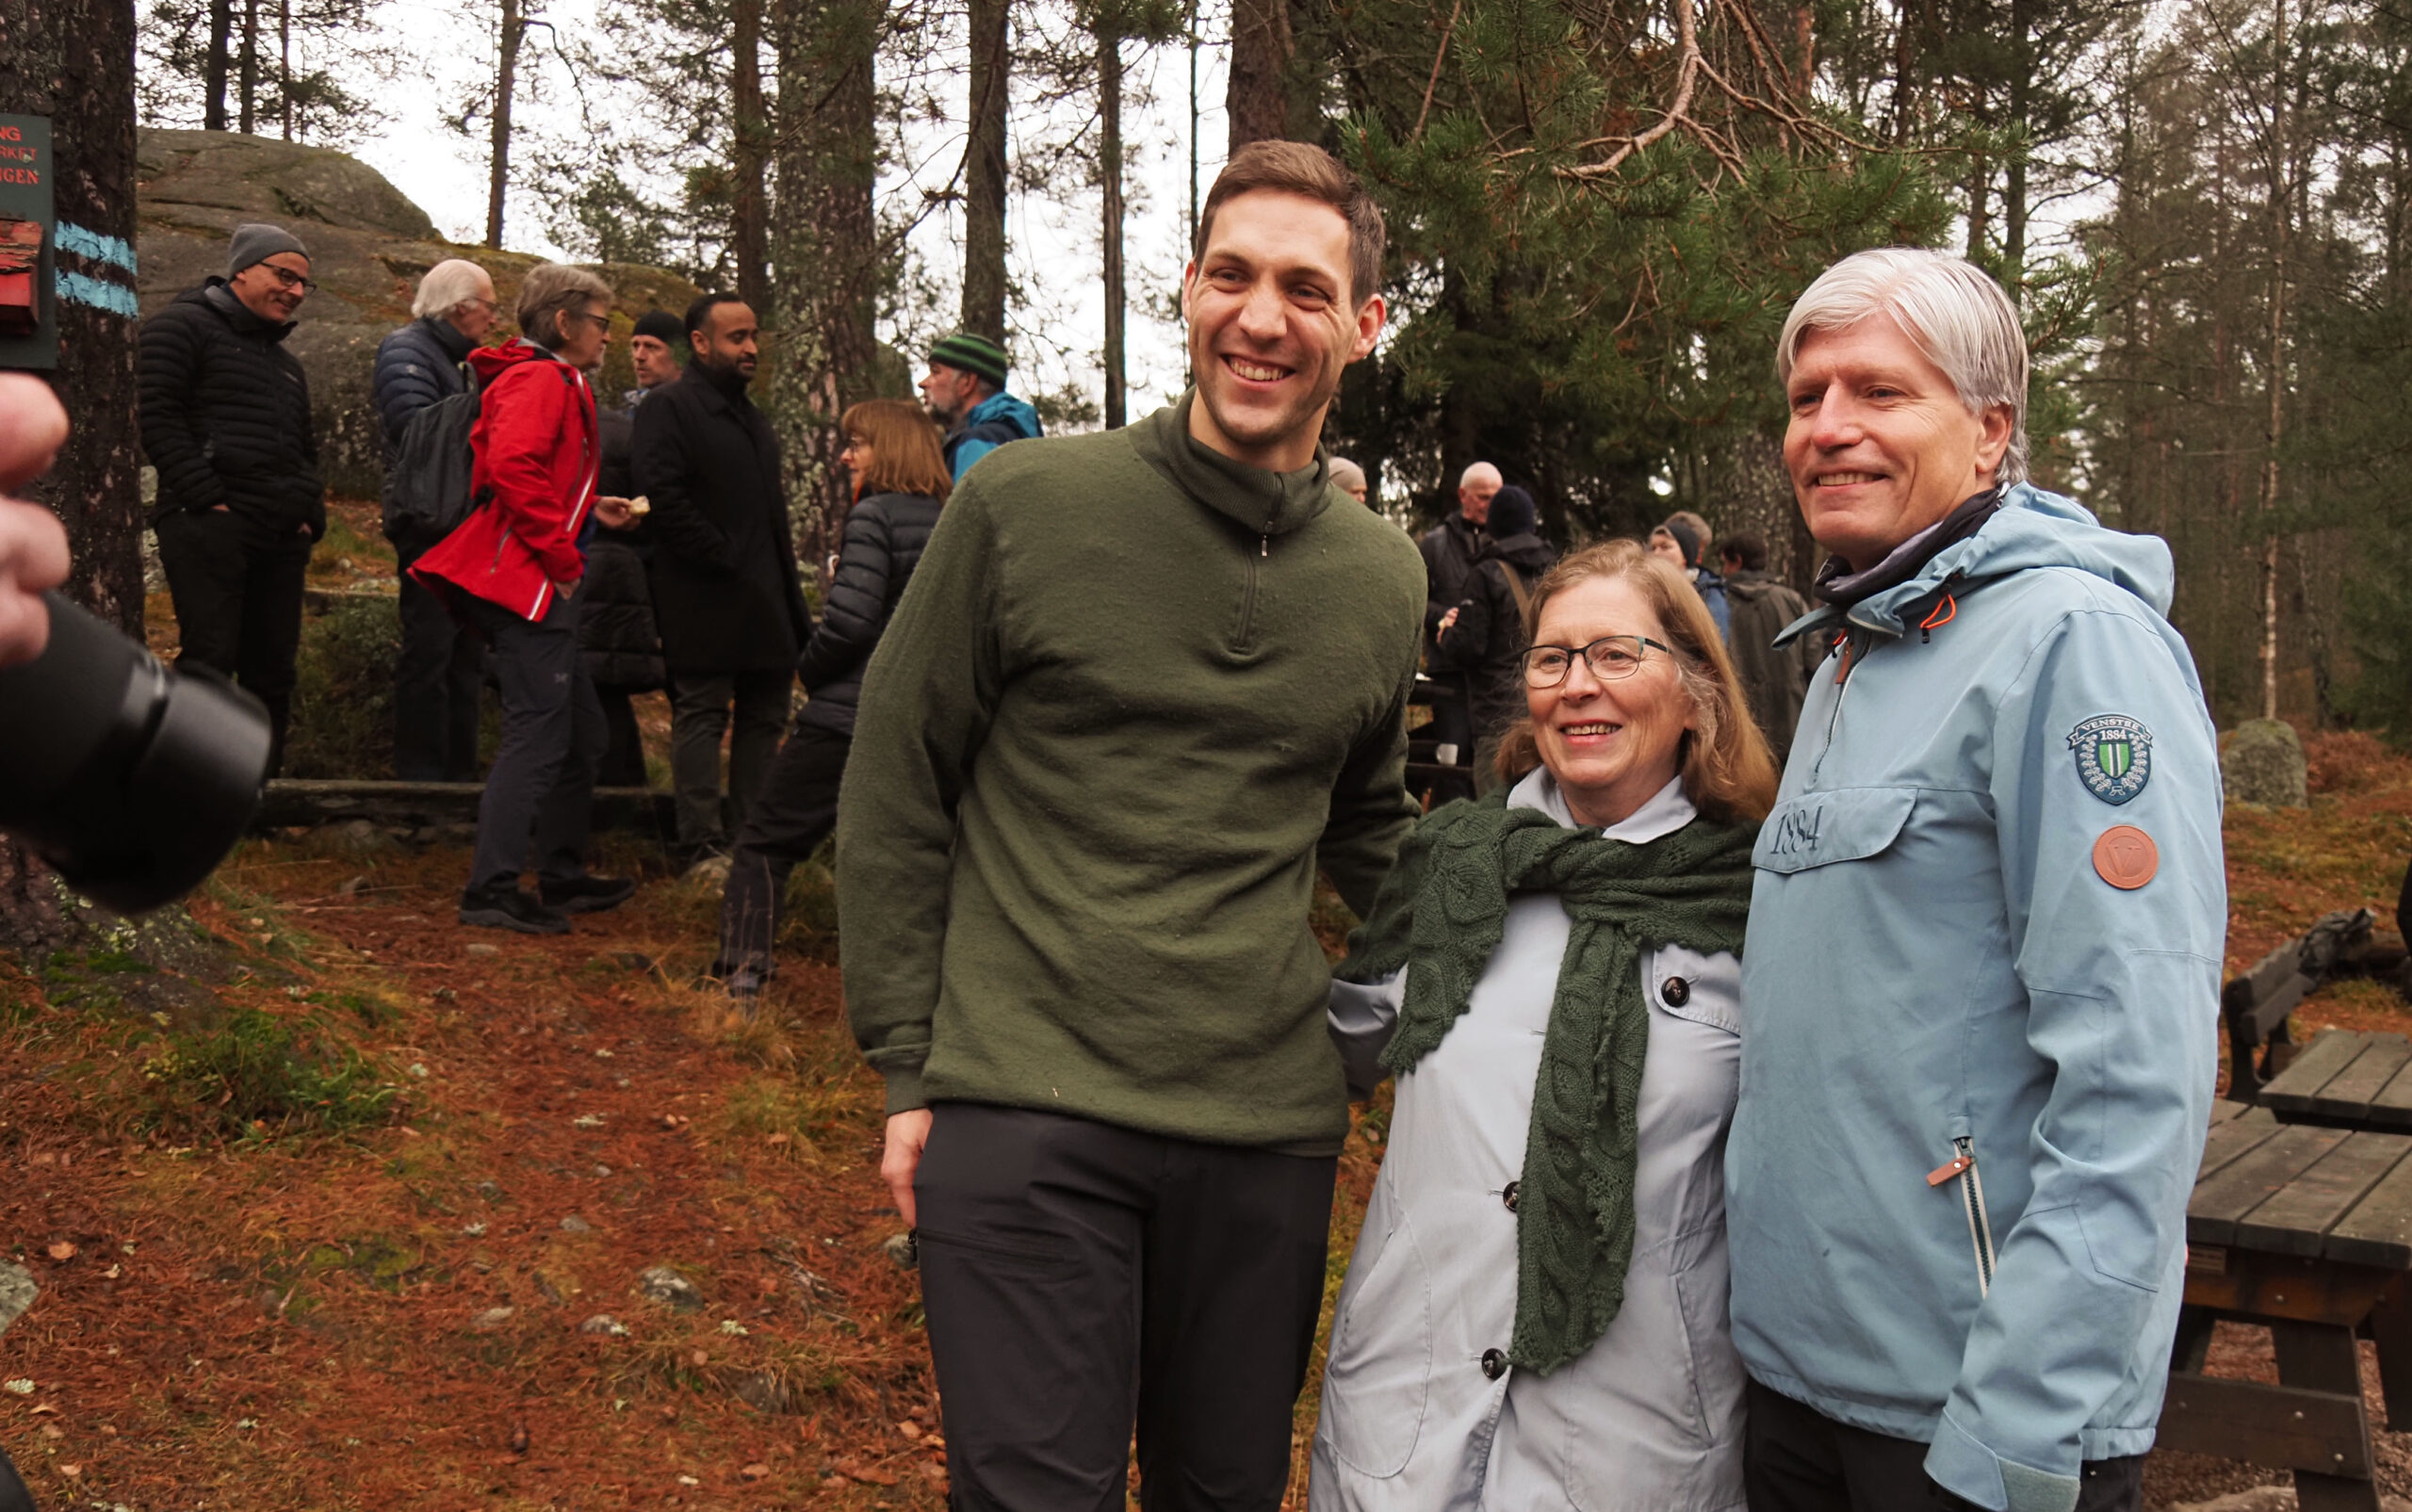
1610	657
290	279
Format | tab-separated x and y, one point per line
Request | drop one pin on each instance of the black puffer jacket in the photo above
884	534
416	366
1488	635
225	415
616	637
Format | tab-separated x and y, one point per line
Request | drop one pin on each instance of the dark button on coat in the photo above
724	591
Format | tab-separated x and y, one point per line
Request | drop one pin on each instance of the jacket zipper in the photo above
1834	716
1972	1202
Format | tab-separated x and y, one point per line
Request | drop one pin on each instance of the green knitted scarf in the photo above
1442	913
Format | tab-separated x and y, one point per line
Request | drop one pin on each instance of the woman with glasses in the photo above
513	570
1535	1316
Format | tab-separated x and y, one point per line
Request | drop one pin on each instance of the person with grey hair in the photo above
1349	478
225	419
515	571
1450	550
440	670
1986	947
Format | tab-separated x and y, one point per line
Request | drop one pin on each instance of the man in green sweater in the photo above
1143	686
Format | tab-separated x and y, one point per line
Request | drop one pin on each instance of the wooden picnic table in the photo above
2345	1079
2308	1231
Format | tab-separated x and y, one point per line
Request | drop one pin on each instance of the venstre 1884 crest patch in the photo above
2114	756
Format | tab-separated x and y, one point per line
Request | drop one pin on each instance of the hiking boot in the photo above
586	895
507	907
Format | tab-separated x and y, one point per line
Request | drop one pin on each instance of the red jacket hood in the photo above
492	362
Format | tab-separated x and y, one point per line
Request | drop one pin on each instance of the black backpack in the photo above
427	483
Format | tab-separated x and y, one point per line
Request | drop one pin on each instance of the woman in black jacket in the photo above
900	483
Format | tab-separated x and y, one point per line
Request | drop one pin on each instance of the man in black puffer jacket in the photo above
225	419
442	666
892	450
1482	636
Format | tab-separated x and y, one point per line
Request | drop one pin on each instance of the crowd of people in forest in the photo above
1802	1029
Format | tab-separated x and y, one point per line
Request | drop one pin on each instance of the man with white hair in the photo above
1986	948
1450	550
437	677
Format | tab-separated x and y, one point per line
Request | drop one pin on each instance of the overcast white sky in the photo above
1053	249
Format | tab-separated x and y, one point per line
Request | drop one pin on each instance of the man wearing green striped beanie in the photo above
966	393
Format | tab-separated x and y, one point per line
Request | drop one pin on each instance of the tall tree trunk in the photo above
285	63
213	69
984	173
825	238
2013	197
251	66
2281	206
1257	96
1109	95
506	82
751	240
72	60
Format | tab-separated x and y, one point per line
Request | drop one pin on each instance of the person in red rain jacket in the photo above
513	570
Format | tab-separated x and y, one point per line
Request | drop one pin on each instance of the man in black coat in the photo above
442	666
724	592
1450	549
616	637
225	419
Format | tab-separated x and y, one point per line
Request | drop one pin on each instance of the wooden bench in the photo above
2308	1232
2255	1005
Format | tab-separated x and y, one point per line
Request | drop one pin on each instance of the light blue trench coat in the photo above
1650	1419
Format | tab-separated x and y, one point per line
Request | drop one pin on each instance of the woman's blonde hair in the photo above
1727	770
904	455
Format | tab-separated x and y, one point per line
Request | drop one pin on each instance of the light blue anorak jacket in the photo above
1940	971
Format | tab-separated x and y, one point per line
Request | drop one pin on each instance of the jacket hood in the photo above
214	296
1750	587
1257	499
2033	529
1005	408
1525	551
493	362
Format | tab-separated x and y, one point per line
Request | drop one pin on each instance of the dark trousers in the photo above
542	788
624	745
1078	1277
1796	1459
701	706
238	592
436	682
787	822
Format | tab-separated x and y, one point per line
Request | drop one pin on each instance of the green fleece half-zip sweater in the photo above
1135	694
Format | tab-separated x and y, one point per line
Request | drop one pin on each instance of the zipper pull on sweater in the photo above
1265	544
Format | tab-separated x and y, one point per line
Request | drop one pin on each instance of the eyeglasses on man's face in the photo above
1609	657
291	279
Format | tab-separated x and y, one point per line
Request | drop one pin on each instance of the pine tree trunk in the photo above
751	241
826	244
1257	96
984	173
72	60
213	75
1109	93
251	66
506	81
285	64
2281	204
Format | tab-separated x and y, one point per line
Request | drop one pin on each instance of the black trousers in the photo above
623	751
436	682
702	706
1796	1459
1078	1277
541	790
792	813
238	592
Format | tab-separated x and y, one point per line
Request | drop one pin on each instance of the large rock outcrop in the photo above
369	244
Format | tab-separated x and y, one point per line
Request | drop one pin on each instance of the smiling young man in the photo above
1981	986
1143	685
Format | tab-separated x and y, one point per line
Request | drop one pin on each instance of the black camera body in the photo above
131	779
